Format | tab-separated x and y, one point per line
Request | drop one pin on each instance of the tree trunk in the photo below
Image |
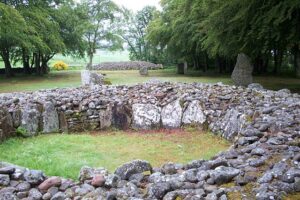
206	64
44	66
277	60
297	61
90	64
37	63
220	64
7	64
26	64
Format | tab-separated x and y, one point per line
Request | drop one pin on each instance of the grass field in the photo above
72	79
64	155
100	56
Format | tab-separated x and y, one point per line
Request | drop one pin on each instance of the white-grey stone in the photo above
89	78
50	118
105	117
144	71
30	119
193	114
171	115
145	116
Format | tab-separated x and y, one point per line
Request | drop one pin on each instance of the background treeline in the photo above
207	34
210	33
33	31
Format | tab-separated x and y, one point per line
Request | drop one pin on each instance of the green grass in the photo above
100	56
32	83
71	78
64	155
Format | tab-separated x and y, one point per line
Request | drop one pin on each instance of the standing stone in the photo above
185	67
242	73
89	78
144	71
193	114
121	116
6	124
171	115
63	124
16	116
105	117
50	118
180	68
30	119
85	77
145	116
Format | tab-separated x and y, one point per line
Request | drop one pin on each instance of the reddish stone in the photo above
98	181
50	182
160	95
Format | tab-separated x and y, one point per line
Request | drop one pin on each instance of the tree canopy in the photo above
208	34
192	30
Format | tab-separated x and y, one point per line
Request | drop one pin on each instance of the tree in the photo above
265	30
101	30
13	33
134	34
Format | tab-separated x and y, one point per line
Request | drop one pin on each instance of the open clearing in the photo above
71	78
64	154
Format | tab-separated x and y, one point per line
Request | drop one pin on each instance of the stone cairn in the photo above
263	126
130	65
242	73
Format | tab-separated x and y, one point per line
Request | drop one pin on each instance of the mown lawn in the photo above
64	155
71	78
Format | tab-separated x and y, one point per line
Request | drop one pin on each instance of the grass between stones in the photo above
64	154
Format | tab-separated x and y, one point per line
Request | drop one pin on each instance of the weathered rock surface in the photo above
242	73
131	168
6	124
50	182
50	118
31	118
90	78
130	65
146	116
262	125
143	71
171	115
193	115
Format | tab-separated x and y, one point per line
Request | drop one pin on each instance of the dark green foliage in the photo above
268	31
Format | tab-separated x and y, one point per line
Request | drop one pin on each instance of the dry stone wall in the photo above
264	127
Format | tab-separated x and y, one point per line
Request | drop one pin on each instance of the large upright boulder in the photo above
145	116
144	71
31	118
6	124
242	73
171	115
50	118
90	78
105	116
194	115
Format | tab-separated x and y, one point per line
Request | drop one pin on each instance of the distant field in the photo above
100	56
